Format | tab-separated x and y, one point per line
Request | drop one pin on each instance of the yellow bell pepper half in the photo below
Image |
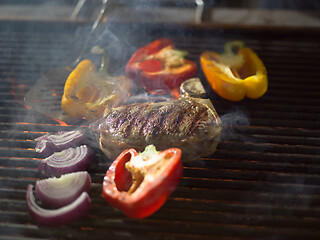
87	93
235	75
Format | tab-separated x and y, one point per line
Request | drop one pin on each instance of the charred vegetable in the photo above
139	184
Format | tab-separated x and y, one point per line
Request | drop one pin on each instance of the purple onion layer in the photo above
56	217
67	161
50	143
58	192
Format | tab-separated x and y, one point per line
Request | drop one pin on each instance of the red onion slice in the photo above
55	217
58	192
48	144
67	161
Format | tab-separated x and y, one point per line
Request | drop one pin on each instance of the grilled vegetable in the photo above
186	123
58	192
139	184
67	161
235	75
159	67
56	217
50	143
87	92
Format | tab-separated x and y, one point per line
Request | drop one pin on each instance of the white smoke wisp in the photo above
235	128
232	120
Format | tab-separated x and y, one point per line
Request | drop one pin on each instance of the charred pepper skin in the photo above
159	67
139	184
234	76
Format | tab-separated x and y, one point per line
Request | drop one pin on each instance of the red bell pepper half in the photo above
139	184
159	67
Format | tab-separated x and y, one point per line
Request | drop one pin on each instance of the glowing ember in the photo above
175	93
61	123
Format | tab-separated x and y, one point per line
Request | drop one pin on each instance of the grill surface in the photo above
263	182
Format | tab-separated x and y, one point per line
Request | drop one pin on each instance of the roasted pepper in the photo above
87	92
159	67
139	184
234	75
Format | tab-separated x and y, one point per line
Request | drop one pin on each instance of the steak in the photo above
186	123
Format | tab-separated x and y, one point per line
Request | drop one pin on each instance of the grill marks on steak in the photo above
185	123
178	118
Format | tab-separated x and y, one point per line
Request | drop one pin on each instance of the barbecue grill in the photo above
263	182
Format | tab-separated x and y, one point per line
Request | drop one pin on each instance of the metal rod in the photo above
77	9
199	11
93	28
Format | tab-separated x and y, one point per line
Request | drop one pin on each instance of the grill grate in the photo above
263	182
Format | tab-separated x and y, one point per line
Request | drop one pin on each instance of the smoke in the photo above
230	122
235	125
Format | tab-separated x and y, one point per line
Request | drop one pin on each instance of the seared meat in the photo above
184	123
